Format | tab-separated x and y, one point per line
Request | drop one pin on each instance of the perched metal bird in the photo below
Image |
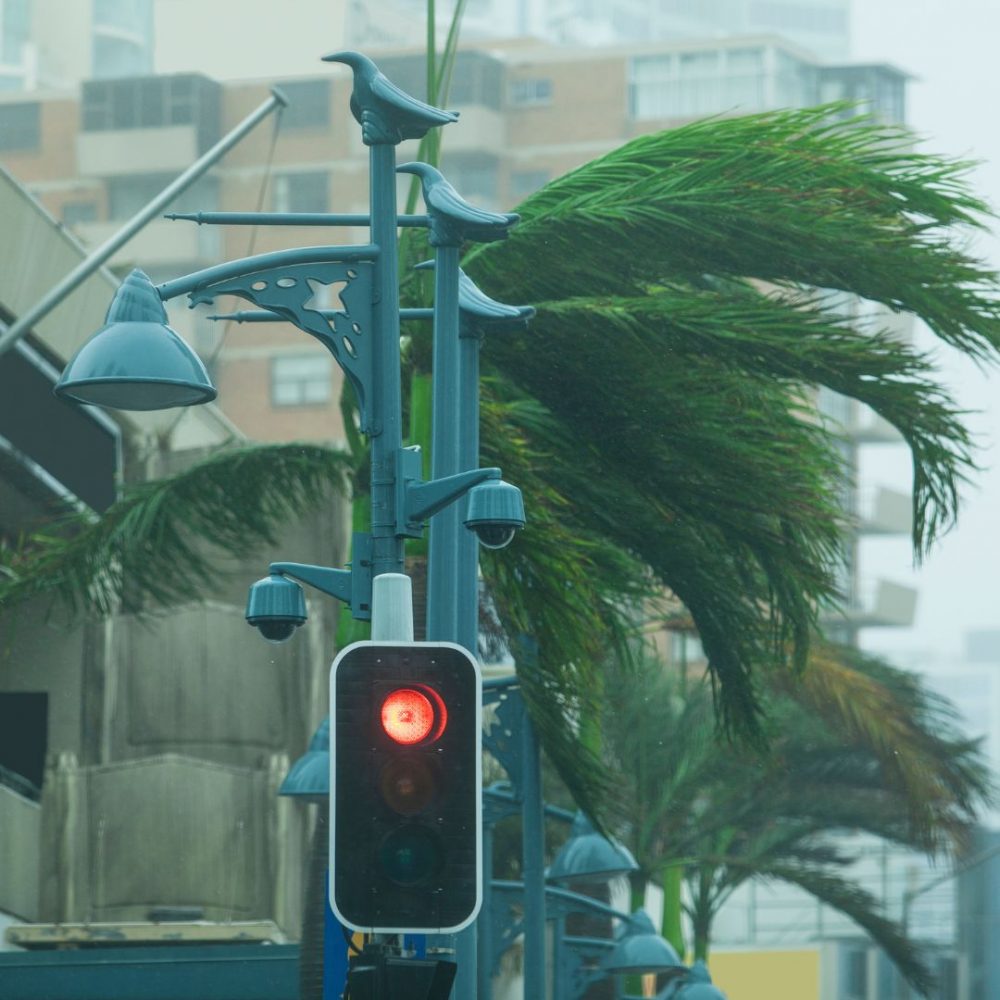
478	309
453	219
386	113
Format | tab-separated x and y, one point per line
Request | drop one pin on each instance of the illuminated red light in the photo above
411	715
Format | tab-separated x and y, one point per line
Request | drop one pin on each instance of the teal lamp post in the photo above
137	362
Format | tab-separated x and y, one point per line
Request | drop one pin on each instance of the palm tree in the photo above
719	816
653	414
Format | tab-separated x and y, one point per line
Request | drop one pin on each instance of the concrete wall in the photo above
124	838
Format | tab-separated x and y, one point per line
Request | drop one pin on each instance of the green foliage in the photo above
853	744
161	543
693	291
686	316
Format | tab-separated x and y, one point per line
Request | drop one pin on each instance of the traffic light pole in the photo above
114	369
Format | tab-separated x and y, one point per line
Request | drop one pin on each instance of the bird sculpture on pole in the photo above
453	219
386	113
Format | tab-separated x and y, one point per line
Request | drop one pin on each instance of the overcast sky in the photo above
951	49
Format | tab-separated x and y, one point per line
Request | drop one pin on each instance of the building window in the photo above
856	975
301	380
304	192
308	103
122	38
20	126
24	726
15	30
535	90
76	212
473	176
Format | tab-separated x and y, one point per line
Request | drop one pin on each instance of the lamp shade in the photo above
589	857
640	949
696	984
135	361
309	777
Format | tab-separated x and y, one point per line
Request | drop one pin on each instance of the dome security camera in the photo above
276	607
495	513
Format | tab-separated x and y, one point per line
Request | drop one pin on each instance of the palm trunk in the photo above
671	881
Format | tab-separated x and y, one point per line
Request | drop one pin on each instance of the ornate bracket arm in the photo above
417	500
352	586
288	290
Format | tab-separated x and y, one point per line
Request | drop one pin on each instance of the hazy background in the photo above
951	49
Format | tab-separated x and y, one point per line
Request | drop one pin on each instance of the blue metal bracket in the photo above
287	290
352	586
417	500
499	802
503	738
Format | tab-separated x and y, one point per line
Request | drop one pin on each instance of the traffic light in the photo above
405	787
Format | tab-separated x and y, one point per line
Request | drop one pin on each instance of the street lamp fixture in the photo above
639	949
589	857
309	777
136	361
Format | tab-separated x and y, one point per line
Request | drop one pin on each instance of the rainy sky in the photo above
951	49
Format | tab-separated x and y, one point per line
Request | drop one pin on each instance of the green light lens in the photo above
411	854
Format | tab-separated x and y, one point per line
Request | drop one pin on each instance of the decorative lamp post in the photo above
137	362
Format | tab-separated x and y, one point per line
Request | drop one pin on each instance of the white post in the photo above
392	608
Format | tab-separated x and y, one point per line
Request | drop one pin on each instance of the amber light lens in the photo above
407	785
412	715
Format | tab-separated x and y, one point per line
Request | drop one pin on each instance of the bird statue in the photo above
453	219
478	309
386	113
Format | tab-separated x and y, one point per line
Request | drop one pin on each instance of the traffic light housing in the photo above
405	787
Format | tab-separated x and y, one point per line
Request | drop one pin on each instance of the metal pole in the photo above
443	584
387	405
92	262
467	554
443	581
533	860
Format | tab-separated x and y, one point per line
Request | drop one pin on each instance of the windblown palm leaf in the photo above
682	378
149	548
657	412
726	816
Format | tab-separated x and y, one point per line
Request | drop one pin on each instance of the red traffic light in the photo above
405	787
414	715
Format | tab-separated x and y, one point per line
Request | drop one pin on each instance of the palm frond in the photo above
860	906
799	342
161	542
799	198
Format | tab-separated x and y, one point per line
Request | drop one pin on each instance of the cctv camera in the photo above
495	513
276	606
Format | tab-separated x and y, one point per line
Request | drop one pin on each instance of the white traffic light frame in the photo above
474	670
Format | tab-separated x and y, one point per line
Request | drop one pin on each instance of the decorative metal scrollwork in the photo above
289	290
